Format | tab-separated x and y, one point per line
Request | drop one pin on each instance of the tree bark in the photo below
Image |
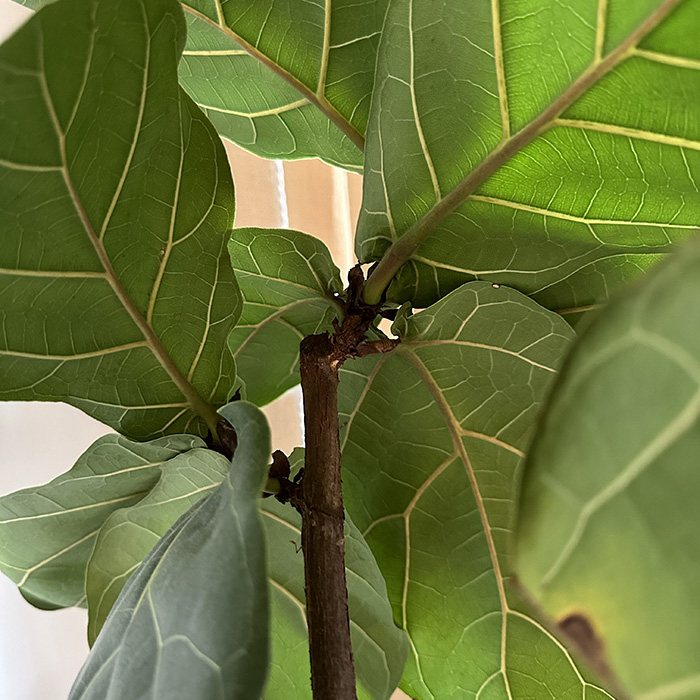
322	532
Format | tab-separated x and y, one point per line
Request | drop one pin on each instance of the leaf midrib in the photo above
198	404
407	350
461	453
402	249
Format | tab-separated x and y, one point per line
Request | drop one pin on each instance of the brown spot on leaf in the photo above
578	628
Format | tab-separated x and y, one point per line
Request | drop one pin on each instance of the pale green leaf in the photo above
609	515
115	203
434	436
47	533
192	622
325	51
288	281
131	532
553	147
380	648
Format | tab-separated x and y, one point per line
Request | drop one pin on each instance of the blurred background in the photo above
41	652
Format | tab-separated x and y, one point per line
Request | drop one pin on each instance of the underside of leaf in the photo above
290	286
325	52
116	202
537	149
448	416
48	532
162	641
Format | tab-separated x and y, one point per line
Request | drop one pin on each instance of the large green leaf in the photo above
609	515
553	147
434	437
115	203
129	534
192	622
47	533
325	51
254	106
288	281
283	79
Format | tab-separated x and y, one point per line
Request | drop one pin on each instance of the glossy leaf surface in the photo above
192	622
449	414
551	147
609	517
287	280
116	203
47	533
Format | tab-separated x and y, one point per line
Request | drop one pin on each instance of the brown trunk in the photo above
321	499
322	534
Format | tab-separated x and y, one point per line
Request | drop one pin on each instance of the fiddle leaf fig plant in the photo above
496	495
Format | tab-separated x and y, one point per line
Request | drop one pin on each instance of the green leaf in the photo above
115	205
448	415
325	51
258	71
288	281
380	648
192	622
254	106
129	534
598	280
609	517
549	147
47	533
